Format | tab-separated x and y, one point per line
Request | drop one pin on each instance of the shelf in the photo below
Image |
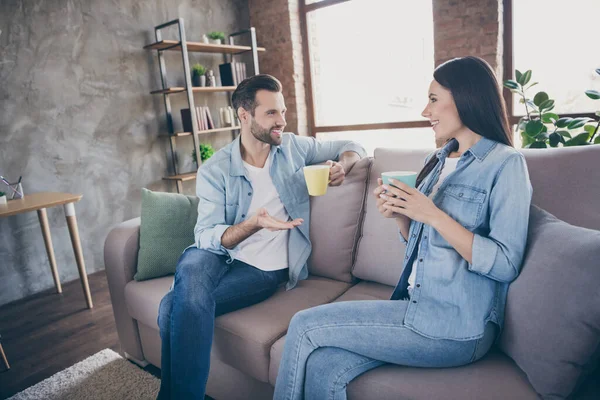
210	89
199	47
228	128
181	177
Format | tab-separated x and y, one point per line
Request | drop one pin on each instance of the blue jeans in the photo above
329	345
205	287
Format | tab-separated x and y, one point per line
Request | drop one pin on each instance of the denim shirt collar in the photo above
479	150
237	164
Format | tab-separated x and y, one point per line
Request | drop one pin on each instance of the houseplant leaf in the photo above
509	83
579	140
540	97
563	122
533	128
554	139
525	78
538	145
564	134
549	118
547	105
518	75
593	94
577	123
597	140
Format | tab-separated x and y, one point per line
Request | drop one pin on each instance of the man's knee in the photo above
196	264
164	311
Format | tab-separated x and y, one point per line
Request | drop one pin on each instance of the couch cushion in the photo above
167	228
380	252
552	323
361	291
335	220
243	338
565	183
495	377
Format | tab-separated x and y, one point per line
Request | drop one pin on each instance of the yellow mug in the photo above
317	179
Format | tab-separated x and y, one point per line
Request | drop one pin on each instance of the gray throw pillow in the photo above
552	323
166	229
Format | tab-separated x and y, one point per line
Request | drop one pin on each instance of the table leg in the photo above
74	232
43	216
4	357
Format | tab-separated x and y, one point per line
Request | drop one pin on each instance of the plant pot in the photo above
215	41
3	200
199	80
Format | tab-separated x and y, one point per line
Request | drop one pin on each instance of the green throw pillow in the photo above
167	228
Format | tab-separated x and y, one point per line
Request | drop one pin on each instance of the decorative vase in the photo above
3	200
205	39
199	80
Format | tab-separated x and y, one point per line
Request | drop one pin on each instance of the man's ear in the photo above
243	115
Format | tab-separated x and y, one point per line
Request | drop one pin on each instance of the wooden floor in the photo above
49	332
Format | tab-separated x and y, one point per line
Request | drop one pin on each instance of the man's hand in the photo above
262	219
337	174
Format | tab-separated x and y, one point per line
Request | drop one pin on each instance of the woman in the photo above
465	228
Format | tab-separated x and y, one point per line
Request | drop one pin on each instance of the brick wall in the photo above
277	24
468	27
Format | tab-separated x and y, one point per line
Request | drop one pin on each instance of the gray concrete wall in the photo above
76	116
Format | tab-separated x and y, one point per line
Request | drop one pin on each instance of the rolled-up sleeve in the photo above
499	254
210	224
318	151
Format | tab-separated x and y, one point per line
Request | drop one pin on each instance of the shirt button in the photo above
414	301
425	237
418	285
406	257
414	235
460	195
243	215
420	260
249	193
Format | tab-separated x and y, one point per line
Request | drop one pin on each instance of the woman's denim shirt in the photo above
489	194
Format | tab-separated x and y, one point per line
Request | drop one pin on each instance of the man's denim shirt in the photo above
225	194
489	194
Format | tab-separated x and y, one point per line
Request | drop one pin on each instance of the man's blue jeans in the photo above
205	287
329	345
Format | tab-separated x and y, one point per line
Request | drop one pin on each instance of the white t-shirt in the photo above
449	167
265	250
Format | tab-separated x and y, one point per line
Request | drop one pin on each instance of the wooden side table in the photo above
40	202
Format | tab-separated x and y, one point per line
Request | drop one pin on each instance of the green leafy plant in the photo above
206	151
2	194
541	128
216	35
198	69
594	95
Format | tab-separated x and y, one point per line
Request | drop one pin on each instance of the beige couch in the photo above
356	256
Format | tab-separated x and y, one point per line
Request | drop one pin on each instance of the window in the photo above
371	62
559	43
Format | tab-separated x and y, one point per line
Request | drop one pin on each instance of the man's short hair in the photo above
245	94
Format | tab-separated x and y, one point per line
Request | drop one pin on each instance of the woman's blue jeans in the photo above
329	345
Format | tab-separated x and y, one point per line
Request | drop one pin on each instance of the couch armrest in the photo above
120	260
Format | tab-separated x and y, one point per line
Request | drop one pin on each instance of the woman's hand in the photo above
407	201
379	193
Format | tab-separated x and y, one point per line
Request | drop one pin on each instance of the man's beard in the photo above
263	135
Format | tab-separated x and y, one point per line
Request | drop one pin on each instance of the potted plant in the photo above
216	37
206	151
3	198
595	95
541	128
198	77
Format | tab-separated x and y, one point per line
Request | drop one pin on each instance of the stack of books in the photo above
203	118
233	73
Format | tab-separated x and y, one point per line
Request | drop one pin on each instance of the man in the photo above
251	234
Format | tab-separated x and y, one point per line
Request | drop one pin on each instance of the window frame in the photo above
508	66
312	127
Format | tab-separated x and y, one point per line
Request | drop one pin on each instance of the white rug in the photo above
104	376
